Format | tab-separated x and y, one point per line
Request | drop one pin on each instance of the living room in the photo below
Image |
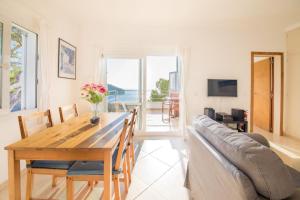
209	39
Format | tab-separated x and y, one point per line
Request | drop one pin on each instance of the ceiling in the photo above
170	12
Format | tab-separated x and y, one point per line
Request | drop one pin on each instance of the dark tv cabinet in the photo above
237	120
240	126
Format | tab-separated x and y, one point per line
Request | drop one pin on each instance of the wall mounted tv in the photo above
222	88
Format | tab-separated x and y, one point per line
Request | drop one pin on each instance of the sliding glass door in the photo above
152	84
124	84
161	97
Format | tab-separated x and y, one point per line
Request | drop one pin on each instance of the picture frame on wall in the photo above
66	60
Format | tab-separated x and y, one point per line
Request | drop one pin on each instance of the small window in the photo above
1	52
23	69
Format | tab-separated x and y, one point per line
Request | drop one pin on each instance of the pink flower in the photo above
99	89
86	87
102	90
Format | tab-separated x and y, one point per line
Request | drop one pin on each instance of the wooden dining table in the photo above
75	139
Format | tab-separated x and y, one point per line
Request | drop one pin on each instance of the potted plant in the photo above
94	93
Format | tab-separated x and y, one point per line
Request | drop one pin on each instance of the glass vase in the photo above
95	113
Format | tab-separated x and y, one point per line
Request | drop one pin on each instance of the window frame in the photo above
6	53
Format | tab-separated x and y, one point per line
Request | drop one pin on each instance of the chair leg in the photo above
132	154
129	168
117	188
125	177
91	184
29	184
70	188
54	181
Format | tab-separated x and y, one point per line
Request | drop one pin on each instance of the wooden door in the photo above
263	94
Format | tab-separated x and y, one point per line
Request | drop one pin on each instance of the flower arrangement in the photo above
94	93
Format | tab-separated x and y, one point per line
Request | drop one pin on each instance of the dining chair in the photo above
130	154
93	171
67	112
28	125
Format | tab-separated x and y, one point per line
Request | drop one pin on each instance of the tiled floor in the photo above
160	171
154	122
159	174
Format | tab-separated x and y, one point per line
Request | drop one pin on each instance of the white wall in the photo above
215	52
52	90
293	83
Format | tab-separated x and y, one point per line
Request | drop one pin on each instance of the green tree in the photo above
17	43
161	91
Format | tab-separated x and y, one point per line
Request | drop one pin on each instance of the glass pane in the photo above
22	71
159	70
123	80
161	77
1	46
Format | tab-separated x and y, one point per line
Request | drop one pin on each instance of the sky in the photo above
124	73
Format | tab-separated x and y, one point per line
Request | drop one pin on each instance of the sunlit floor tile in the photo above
137	187
150	194
174	178
168	156
142	155
152	145
149	169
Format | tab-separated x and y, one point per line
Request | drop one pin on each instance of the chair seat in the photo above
49	164
93	167
89	168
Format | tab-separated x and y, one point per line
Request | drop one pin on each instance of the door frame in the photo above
258	53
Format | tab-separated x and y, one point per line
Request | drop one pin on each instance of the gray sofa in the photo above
213	176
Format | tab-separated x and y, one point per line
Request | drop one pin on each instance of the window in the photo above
123	80
159	70
23	69
1	46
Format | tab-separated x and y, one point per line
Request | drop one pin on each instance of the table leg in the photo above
14	186
107	175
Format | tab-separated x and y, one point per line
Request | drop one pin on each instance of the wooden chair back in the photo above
123	144
132	124
23	121
67	112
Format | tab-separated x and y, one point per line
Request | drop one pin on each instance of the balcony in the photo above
155	119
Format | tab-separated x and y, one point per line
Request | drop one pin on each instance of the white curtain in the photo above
183	54
43	68
100	74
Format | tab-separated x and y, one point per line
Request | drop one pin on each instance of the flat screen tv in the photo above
222	88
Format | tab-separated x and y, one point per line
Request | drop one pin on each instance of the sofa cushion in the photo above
259	138
268	173
296	176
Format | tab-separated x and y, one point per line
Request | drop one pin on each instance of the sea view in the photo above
125	96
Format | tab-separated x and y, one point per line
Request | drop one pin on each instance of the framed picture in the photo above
66	60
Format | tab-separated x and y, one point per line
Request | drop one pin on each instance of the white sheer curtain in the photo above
43	68
100	75
183	54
